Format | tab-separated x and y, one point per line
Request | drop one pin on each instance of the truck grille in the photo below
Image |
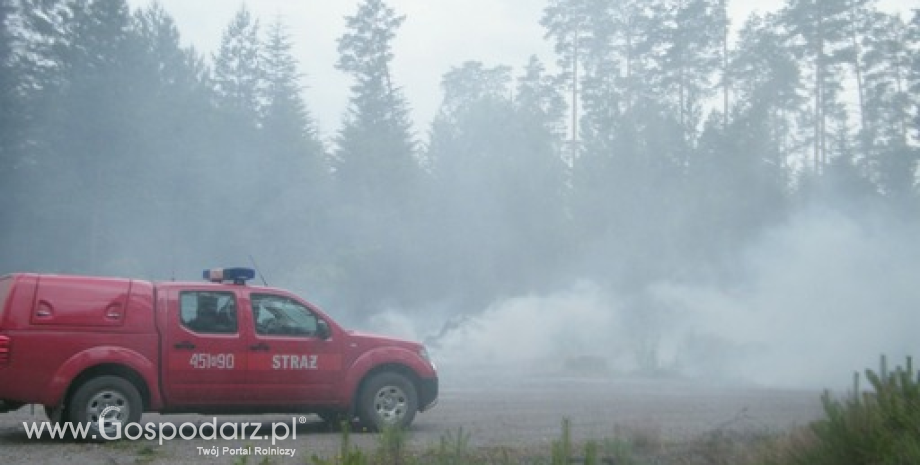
5	343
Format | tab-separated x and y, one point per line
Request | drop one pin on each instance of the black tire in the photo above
387	400
7	406
333	420
113	397
55	414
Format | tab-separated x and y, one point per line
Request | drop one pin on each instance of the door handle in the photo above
259	347
113	312
184	345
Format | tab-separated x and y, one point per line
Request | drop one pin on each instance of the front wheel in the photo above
387	400
103	403
335	420
55	415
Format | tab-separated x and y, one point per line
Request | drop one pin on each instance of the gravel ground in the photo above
524	413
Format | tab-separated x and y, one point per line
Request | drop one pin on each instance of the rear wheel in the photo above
105	401
7	406
387	400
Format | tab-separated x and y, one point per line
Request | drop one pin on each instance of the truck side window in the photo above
208	312
277	315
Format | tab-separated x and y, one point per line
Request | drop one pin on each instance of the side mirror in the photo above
322	329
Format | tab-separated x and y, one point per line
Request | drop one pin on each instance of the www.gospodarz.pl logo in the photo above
109	421
110	426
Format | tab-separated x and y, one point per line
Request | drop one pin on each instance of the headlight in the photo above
423	352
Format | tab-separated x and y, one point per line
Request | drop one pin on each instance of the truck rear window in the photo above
208	312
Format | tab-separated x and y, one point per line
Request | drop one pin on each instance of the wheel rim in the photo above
110	405
391	404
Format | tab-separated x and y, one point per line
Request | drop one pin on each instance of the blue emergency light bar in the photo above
237	275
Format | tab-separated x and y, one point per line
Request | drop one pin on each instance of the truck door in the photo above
289	363
205	353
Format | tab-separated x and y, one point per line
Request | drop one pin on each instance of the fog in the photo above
676	226
817	298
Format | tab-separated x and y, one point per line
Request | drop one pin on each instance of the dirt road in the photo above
522	413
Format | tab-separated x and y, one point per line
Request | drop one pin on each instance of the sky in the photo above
436	36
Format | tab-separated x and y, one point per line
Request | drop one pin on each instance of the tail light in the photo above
5	343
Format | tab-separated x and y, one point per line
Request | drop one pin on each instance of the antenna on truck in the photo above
258	270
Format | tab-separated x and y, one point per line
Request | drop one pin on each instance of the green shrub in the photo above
562	449
348	455
454	449
392	448
880	426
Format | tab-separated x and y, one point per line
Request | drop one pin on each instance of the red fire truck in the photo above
79	344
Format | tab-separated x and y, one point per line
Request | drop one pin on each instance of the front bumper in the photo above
428	394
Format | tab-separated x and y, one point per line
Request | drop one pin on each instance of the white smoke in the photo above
825	295
817	298
534	333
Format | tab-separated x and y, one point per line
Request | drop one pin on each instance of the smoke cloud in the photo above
814	299
822	296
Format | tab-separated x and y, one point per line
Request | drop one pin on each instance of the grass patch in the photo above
143	452
879	425
146	454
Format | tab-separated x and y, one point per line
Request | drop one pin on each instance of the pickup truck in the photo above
79	344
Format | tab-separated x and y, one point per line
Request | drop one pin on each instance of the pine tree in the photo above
173	144
885	100
237	72
293	173
538	98
577	28
291	139
375	170
91	117
541	179
11	136
471	153
375	158
34	74
498	165
9	100
819	35
466	143
693	34
765	79
236	150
